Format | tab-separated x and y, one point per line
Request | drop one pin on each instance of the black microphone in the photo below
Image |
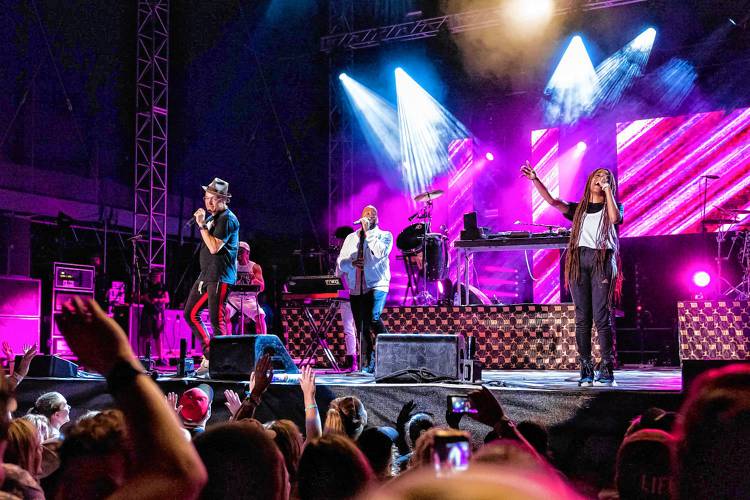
710	176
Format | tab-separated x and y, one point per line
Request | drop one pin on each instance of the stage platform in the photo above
586	425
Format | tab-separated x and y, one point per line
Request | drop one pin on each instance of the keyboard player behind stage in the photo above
591	265
364	260
248	273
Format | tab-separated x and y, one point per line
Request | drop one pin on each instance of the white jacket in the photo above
378	245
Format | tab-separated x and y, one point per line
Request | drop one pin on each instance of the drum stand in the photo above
742	289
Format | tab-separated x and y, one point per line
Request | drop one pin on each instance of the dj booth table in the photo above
536	336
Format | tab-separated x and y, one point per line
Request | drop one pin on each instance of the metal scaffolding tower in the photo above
150	181
340	141
455	23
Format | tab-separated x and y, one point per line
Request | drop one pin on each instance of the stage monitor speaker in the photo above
692	368
439	354
50	366
233	357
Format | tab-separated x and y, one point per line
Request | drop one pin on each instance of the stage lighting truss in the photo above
455	23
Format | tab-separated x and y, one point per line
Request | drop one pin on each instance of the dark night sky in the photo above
247	81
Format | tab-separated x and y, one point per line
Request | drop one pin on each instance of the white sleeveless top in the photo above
590	230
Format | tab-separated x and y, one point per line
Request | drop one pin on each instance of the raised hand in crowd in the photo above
260	379
29	351
10	356
172	401
313	427
233	401
165	465
401	420
490	412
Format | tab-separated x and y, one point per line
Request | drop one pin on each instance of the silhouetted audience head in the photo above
713	436
480	482
507	452
242	462
536	435
346	415
289	440
24	446
417	425
54	406
332	468
95	457
424	449
377	447
653	418
643	468
41	423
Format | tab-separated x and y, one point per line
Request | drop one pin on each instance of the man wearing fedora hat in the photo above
218	254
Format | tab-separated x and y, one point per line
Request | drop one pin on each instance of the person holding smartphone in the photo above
592	273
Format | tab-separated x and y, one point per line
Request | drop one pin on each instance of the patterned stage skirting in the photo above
716	329
536	336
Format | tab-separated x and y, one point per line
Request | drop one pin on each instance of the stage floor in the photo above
628	379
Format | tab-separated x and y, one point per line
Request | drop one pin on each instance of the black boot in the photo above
587	373
606	374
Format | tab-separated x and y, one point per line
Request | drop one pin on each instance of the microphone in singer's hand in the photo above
360	221
191	222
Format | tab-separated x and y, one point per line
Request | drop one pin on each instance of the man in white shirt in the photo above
364	260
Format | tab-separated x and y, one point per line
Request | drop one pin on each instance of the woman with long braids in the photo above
592	270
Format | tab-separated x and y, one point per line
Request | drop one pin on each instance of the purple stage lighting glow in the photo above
701	279
489	156
661	163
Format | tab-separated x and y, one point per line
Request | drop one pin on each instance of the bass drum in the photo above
409	241
437	256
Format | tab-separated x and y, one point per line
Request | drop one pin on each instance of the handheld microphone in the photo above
363	219
191	221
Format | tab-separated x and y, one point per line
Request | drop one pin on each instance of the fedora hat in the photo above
218	187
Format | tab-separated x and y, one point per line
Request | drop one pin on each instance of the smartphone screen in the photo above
460	404
452	454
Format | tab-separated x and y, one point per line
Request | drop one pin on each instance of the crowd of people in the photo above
153	445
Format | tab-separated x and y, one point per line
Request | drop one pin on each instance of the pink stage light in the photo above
581	147
701	279
441	288
489	156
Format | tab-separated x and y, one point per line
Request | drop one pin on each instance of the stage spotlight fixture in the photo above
489	156
581	147
570	92
343	76
701	279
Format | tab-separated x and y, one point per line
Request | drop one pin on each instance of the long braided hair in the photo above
572	260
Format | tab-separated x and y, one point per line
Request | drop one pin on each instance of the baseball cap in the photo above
244	244
195	402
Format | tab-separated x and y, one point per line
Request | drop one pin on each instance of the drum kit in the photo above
424	252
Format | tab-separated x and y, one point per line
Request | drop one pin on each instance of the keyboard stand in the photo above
318	338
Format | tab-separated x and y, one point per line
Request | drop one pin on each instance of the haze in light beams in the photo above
572	88
378	119
426	130
618	72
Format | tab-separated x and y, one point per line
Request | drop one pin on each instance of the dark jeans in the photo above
591	295
214	296
366	310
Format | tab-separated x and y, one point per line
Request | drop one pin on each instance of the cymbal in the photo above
719	221
429	195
